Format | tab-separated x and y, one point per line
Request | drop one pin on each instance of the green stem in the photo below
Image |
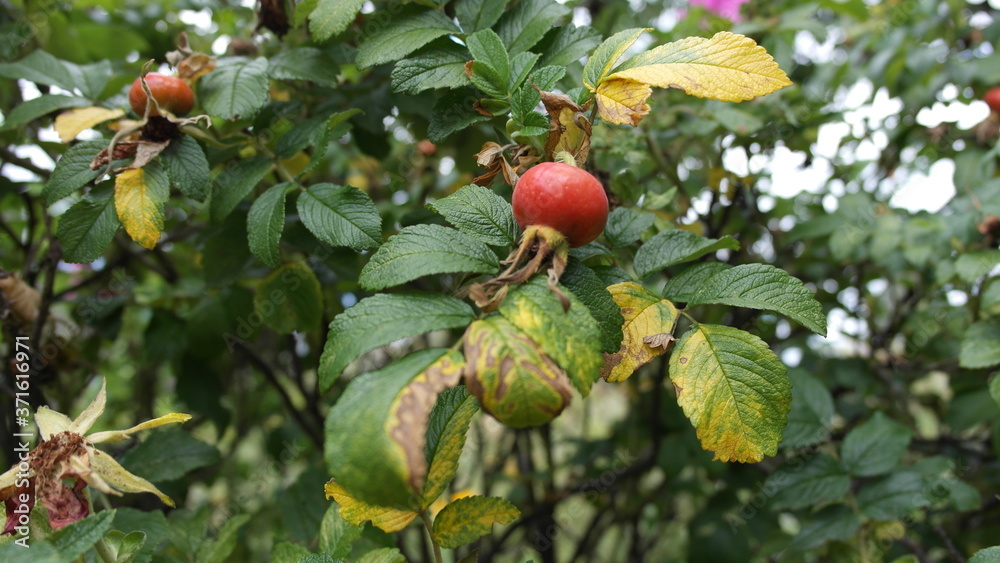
565	157
427	525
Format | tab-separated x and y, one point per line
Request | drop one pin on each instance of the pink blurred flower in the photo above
725	8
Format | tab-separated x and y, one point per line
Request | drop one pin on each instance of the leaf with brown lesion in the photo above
623	101
407	421
646	334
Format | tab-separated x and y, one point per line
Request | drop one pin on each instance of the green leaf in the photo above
304	63
467	519
299	137
524	25
408	30
85	231
980	345
375	431
520	66
383	318
237	88
822	478
491	69
31	110
446	430
974	265
474	15
152	524
607	54
988	555
336	535
341	216
288	552
894	496
77	538
480	213
91	79
812	412
39	551
572	338
72	170
41	68
453	112
625	225
169	454
994	387
219	549
235	183
762	286
290	299
438	65
836	522
125	547
383	555
224	254
265	222
526	98
874	447
422	250
331	17
187	167
567	44
684	286
733	389
676	246
592	292
734	119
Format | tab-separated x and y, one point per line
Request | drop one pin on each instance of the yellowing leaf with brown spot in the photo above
728	67
71	123
733	389
354	511
139	197
648	320
623	101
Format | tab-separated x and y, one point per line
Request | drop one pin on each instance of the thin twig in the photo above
272	378
8	156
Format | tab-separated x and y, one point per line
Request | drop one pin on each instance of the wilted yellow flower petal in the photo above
51	422
71	123
120	479
119	435
93	410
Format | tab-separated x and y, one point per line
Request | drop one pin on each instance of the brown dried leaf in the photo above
569	130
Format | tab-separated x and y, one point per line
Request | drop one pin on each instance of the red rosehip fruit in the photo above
170	92
992	99
563	197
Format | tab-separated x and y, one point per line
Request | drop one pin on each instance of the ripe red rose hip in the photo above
172	93
563	197
992	99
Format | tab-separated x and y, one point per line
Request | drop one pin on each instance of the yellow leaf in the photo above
648	320
354	511
733	389
71	123
728	67
623	101
139	203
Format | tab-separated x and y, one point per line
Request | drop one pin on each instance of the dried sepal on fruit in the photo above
542	249
22	299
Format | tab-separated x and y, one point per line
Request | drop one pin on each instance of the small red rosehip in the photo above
172	93
992	99
563	197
